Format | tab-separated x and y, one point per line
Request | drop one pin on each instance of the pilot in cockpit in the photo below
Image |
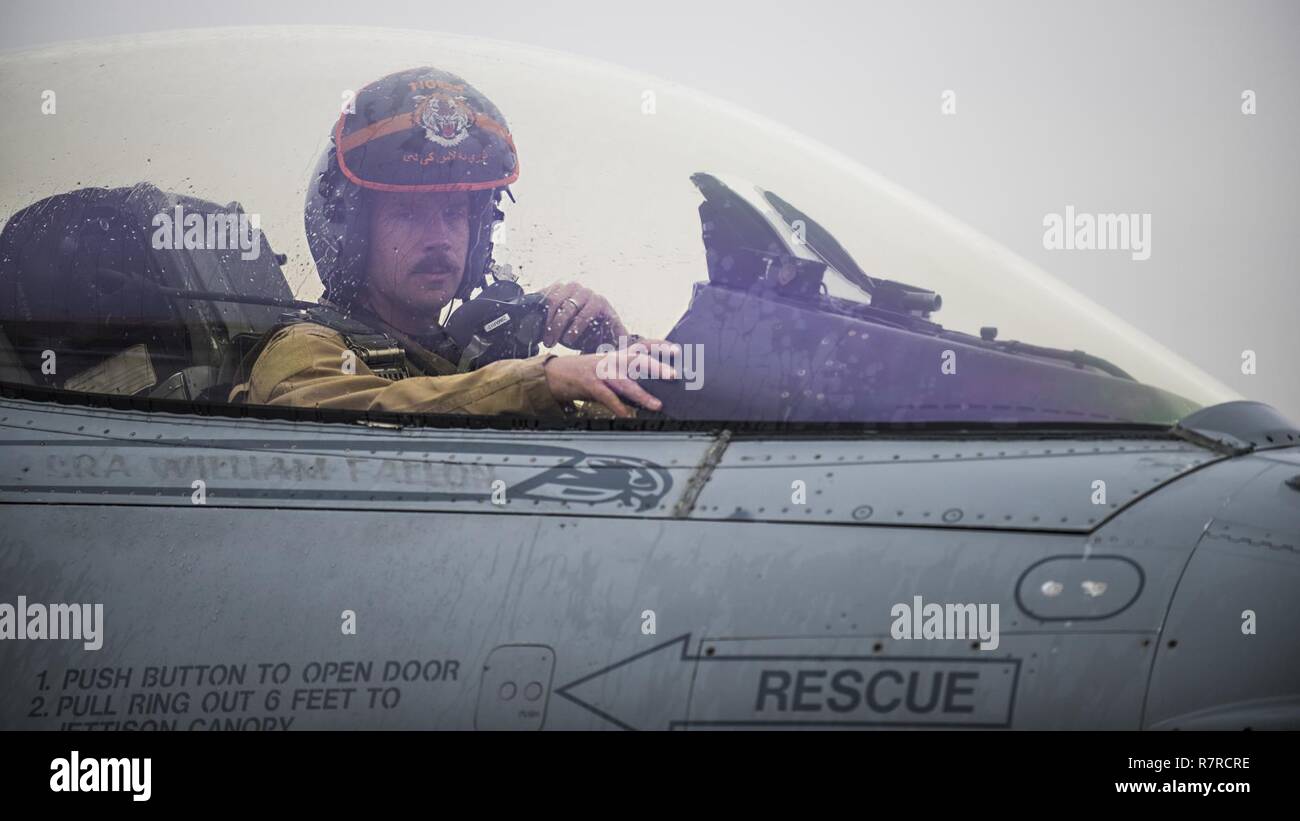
399	217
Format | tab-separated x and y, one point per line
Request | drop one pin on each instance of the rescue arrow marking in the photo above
655	689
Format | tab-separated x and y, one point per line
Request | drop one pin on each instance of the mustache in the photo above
434	262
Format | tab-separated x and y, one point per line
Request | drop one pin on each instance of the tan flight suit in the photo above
302	366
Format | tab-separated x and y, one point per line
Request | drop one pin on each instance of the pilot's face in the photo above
418	244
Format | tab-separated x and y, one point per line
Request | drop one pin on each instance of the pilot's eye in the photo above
455	212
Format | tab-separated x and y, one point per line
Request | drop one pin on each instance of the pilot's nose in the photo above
437	233
439	248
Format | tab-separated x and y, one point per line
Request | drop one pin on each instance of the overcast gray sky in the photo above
1109	107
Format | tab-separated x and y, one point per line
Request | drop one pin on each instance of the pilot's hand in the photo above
605	378
578	317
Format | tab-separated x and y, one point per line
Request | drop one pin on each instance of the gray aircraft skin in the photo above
530	615
736	562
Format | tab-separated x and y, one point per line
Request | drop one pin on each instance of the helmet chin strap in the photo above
479	253
447	310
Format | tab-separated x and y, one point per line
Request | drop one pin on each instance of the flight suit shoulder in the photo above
304	365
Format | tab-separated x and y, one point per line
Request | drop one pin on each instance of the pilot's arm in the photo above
302	366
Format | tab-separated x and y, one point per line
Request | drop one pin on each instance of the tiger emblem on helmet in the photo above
446	119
